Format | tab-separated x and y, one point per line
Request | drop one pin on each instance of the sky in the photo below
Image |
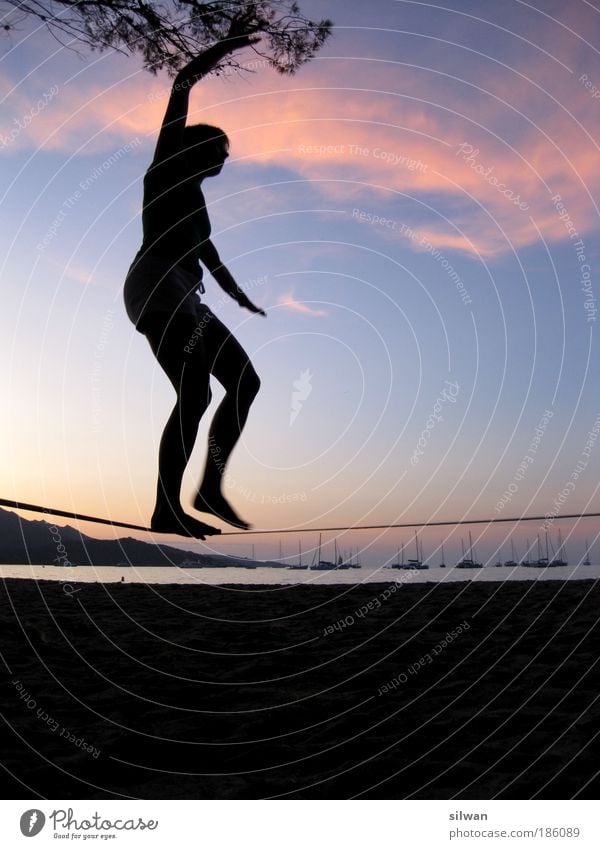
416	209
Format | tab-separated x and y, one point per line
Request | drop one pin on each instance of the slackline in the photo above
36	508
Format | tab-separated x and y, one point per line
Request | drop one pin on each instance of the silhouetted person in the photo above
162	298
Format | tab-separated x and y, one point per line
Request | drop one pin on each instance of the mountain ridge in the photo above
31	541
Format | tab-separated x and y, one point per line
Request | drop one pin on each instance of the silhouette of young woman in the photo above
162	298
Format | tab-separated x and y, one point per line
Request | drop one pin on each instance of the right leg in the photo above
190	379
231	366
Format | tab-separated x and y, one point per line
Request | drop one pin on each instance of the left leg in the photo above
230	364
189	376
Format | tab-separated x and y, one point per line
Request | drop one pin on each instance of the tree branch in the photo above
170	34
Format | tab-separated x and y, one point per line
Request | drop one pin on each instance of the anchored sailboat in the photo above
512	562
324	565
469	562
418	563
399	564
560	559
586	561
299	564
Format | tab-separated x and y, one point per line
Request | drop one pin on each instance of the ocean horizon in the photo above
273	576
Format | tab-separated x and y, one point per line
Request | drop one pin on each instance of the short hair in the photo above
196	135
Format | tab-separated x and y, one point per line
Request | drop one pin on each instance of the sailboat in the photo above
418	563
324	565
586	561
469	562
299	564
344	562
541	562
399	563
443	563
560	558
512	562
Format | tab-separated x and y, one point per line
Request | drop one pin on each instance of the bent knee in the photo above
250	384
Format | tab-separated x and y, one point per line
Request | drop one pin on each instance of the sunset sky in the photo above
416	210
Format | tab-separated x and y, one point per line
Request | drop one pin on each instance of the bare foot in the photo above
217	505
168	522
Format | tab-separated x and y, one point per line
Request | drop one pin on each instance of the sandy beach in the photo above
464	690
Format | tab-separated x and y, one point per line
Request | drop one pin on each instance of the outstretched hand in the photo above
247	303
243	32
244	301
258	310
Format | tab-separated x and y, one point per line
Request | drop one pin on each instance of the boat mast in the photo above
561	553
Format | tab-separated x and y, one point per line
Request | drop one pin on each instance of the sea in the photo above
274	576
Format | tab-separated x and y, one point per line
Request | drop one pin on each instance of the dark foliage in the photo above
168	34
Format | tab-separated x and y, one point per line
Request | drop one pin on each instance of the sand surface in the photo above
464	690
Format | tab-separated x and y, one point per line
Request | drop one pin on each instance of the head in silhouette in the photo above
205	150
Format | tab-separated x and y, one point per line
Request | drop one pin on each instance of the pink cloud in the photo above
72	271
291	303
387	143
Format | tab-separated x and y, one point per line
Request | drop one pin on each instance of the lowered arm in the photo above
209	257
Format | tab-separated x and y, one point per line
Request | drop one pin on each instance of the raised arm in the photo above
170	138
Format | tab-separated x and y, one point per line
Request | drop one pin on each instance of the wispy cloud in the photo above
71	271
291	303
390	142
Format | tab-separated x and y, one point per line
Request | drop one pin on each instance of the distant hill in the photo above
31	541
